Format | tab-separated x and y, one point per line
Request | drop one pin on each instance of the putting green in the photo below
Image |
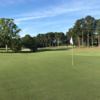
50	76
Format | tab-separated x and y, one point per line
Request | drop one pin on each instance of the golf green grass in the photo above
49	75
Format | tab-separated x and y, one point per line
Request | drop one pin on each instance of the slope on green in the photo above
50	76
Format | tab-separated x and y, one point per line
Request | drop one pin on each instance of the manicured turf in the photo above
50	76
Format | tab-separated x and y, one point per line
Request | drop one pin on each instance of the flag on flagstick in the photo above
71	42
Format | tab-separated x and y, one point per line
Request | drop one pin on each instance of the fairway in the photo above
49	75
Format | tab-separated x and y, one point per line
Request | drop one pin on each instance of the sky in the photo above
41	16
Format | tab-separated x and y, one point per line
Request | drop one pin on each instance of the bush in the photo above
29	42
16	45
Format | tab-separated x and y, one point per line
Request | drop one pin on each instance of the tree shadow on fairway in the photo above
38	50
9	51
12	52
53	49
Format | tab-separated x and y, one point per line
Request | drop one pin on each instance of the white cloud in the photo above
79	7
48	13
74	6
12	2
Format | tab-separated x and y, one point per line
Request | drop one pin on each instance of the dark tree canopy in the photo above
29	42
84	31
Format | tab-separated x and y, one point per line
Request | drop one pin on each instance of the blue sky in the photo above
41	16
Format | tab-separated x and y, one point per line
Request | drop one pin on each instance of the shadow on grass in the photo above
16	52
53	49
39	50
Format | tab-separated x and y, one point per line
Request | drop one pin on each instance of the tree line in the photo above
85	32
10	38
49	39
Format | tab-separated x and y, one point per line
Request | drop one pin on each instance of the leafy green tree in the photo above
29	42
60	38
72	33
78	30
51	39
90	29
8	30
16	44
98	31
42	40
84	30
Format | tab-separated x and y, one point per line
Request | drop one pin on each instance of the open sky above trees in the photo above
41	16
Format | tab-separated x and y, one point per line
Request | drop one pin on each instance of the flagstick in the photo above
71	42
72	56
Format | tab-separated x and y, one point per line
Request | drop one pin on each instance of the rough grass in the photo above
50	75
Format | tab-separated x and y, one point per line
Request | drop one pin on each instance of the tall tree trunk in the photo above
82	39
78	41
99	40
6	46
88	44
92	40
58	42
